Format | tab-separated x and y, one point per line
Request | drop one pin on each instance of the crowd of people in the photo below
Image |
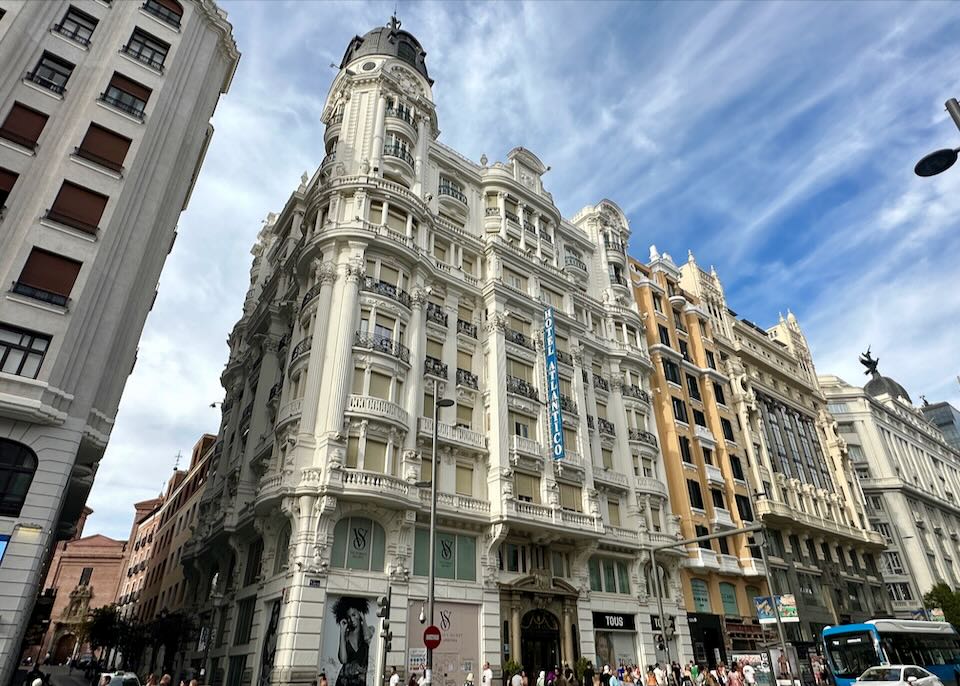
675	674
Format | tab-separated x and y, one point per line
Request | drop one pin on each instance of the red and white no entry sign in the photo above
431	637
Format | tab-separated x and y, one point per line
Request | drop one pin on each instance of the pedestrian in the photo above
734	677
614	679
562	679
486	677
651	676
524	679
749	675
542	678
687	678
605	676
165	680
394	677
412	681
660	675
516	679
588	674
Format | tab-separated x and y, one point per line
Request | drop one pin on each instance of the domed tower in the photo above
379	112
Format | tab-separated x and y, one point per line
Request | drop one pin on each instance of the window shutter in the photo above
435	349
23	125
135	89
464	480
172	5
380	385
464	359
50	272
7	179
374	456
104	147
78	207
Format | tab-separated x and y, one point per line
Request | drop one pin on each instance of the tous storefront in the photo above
615	639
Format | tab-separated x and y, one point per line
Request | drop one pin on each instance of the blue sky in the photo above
776	141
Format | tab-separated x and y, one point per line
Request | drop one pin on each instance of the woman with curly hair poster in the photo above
349	636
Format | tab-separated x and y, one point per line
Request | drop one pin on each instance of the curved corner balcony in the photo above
635	392
453	434
300	352
452	196
376	485
522	387
641	436
650	486
381	344
377	408
289	413
573	264
387	290
397	159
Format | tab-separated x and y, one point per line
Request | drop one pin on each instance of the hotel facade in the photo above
104	120
399	274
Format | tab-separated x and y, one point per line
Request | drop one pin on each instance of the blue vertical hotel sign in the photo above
554	411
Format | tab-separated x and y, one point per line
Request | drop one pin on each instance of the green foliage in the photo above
132	641
103	627
511	667
946	599
171	630
580	667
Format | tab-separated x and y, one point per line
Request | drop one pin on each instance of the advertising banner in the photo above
554	411
786	604
459	651
758	661
349	642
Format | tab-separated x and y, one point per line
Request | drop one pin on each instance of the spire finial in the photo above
690	257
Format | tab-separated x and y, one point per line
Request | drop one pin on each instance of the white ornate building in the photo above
400	273
104	120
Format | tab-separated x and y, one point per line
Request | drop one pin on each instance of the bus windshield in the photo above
852	654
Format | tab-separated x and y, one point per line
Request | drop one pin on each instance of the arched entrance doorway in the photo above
63	650
539	642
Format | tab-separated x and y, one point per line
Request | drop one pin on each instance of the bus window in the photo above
852	654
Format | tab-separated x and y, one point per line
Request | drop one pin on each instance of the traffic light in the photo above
383	612
671	628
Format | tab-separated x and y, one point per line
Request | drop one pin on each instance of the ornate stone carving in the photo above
325	272
497	322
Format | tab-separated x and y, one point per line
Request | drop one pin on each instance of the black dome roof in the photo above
879	385
391	41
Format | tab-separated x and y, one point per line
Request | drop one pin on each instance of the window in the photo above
613	512
608	575
251	571
718	393
701	595
571	497
464	479
693	387
21	352
696	497
606	458
699	531
78	207
7	179
899	592
358	543
727	428
707	455
455	555
711	361
17	467
126	95
48	277
717	497
685	453
245	609
104	147
671	371
728	596
698	418
679	410
23	125
892	564
737	468
512	557
526	487
884	530
664	334
743	507
85	575
168	11
684	348
147	49
77	26
464	416
51	72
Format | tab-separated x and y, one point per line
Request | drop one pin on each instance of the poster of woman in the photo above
349	653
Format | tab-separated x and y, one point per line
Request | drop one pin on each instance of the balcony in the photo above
641	436
522	387
134	109
73	34
451	191
632	391
614	244
44	82
453	434
575	263
377	408
621	535
97	159
466	328
544	514
434	367
704	435
714	475
610	476
40	294
752	566
526	446
519	338
401	113
289	413
601	383
565	357
375	483
301	348
606	427
729	564
511	217
387	290
310	295
721	518
399	152
382	344
567	404
152	62
618	280
468	379
436	314
459	504
703	559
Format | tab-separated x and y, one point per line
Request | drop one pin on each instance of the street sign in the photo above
431	637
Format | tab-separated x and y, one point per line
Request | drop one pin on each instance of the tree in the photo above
172	631
132	641
946	599
103	628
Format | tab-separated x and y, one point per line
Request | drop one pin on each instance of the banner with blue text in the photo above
554	411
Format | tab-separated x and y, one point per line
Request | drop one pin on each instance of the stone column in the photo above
421	168
536	226
338	380
567	633
416	387
502	206
326	275
521	214
515	632
385	212
376	155
409	227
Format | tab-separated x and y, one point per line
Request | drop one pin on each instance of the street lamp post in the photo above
431	574
941	160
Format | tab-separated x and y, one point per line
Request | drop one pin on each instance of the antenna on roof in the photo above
176	463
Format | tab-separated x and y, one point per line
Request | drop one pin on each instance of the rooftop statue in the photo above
870	362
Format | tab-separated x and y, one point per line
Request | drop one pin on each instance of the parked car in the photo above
892	675
119	678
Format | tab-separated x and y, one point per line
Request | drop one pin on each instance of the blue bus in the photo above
851	648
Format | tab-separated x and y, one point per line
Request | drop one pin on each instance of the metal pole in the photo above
953	107
431	576
776	610
659	592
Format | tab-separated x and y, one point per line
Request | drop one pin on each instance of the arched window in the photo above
728	595
17	466
701	595
358	543
281	557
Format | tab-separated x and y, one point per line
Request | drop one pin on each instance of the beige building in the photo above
704	457
104	119
398	274
139	548
910	475
820	543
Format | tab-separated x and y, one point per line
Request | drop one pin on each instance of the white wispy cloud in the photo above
776	140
